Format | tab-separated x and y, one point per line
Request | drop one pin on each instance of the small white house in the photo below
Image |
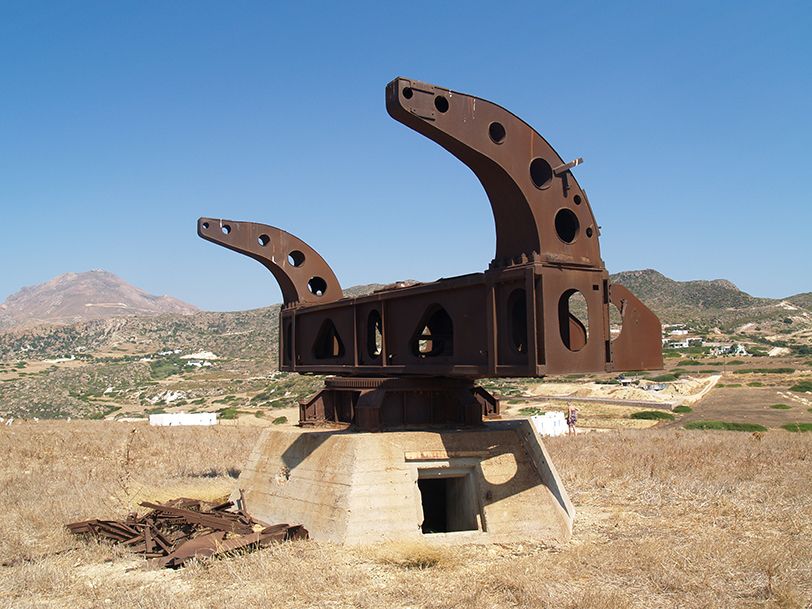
550	423
183	418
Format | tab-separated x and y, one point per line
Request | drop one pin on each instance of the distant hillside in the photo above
716	301
249	335
802	300
664	294
139	364
81	297
240	334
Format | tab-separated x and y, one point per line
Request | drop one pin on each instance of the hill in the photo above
81	297
802	300
716	302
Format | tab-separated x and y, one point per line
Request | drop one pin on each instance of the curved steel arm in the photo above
302	274
538	207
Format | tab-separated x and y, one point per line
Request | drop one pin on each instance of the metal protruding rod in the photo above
567	166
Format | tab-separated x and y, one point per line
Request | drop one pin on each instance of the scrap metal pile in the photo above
174	532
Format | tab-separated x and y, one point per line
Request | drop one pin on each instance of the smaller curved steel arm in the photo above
302	274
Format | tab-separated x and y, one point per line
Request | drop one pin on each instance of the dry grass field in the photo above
666	518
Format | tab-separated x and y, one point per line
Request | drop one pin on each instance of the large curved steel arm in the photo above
302	274
538	207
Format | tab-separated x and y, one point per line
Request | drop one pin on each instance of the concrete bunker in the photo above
492	483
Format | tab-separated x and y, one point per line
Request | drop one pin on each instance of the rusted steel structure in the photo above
409	355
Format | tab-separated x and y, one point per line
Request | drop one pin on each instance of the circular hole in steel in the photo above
263	240
541	173
296	258
206	225
566	225
317	286
497	132
441	103
577	199
407	93
589	232
226	229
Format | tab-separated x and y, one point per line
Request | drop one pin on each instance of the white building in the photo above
550	423
183	418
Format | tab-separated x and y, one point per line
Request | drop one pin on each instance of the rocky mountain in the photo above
81	297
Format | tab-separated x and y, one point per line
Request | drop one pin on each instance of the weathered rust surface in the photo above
174	532
514	319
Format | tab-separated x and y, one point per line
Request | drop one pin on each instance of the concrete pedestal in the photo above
489	484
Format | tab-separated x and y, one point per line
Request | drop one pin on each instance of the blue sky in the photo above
122	122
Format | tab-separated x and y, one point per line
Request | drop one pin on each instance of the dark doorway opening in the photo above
449	504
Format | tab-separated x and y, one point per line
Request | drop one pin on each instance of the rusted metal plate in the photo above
517	318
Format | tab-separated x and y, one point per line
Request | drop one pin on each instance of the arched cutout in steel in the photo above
302	274
538	207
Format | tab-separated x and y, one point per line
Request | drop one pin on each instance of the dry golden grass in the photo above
666	518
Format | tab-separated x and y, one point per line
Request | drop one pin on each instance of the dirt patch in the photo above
749	405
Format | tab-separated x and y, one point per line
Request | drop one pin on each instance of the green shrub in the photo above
529	411
724	426
797	426
755	384
108	409
780	406
683	409
802	387
280	420
653	415
228	413
692	362
664	378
